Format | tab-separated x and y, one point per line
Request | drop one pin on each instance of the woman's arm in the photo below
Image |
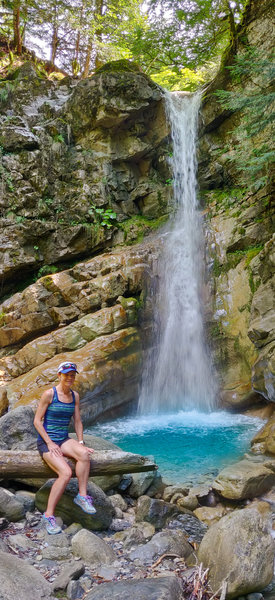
46	399
78	425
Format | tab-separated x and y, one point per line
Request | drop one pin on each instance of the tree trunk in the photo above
17	40
87	60
28	463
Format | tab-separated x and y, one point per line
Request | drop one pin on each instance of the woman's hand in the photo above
54	449
91	450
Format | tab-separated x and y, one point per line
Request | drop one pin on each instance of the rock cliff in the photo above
240	224
84	175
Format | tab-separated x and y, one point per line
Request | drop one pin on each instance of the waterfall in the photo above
179	375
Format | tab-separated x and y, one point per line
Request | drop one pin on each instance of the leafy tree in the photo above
253	98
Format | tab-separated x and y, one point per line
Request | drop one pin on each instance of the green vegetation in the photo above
137	227
233	259
103	217
254	103
177	42
2	318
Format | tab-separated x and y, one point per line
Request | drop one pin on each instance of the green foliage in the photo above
2	318
253	98
46	270
103	218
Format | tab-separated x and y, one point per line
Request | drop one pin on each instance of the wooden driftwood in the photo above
28	463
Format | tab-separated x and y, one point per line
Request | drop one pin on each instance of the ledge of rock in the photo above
245	479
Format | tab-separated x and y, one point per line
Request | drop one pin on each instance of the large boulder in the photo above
10	507
245	479
92	548
264	440
151	588
156	512
21	580
171	542
71	513
17	430
239	550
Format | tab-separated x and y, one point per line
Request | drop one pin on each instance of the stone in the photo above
10	507
193	528
71	571
171	490
164	542
21	541
156	512
21	580
118	502
140	483
209	514
189	502
233	550
264	440
71	513
245	479
138	534
75	590
151	588
17	431
56	553
27	498
92	549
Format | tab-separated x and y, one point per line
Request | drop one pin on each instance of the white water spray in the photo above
179	374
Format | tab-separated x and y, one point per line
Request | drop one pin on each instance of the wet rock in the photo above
237	557
92	548
25	582
140	483
71	513
75	590
189	502
150	588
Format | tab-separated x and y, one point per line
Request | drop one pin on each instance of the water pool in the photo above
187	446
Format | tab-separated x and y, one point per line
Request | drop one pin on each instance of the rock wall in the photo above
239	224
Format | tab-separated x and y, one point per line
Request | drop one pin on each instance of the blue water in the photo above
187	446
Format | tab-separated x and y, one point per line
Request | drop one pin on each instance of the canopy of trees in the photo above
177	42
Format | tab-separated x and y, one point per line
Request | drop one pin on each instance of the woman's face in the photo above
67	378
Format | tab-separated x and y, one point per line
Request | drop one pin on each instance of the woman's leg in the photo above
64	472
75	450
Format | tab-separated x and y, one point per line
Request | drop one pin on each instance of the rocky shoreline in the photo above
149	540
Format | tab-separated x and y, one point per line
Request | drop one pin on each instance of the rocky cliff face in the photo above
72	154
240	224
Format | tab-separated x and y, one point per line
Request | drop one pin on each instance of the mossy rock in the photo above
118	66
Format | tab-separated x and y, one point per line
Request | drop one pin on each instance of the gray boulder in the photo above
245	479
92	548
10	507
171	542
239	549
155	511
151	588
17	430
141	482
21	581
71	513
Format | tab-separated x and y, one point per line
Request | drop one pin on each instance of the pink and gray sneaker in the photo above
86	503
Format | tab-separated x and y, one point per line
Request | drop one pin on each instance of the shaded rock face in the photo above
239	226
68	149
25	583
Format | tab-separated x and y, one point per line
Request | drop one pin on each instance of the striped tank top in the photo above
57	418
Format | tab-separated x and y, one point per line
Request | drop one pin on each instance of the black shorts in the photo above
42	446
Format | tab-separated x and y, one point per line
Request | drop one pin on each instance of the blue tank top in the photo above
57	418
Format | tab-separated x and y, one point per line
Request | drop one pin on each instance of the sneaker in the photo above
51	525
86	503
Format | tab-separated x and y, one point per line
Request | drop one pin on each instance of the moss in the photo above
251	253
253	284
137	227
118	66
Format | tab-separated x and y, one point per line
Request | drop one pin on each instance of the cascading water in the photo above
179	374
189	443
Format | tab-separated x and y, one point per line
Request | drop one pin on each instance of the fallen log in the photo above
28	463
